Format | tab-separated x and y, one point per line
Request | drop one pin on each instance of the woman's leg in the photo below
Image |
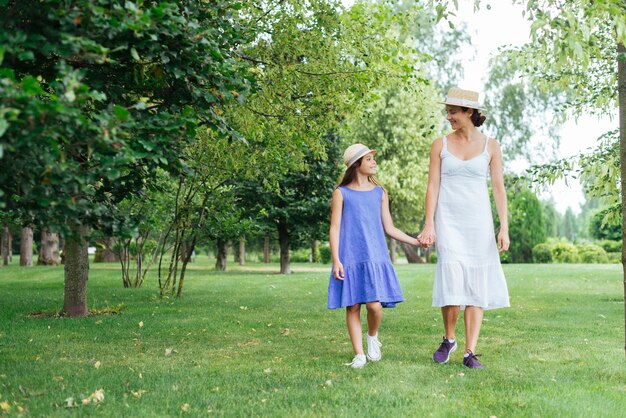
473	318
374	316
353	320
450	314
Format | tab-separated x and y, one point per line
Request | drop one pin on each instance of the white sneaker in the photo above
373	348
358	361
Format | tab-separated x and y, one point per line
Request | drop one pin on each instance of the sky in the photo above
499	23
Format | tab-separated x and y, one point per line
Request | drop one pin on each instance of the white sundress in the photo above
468	268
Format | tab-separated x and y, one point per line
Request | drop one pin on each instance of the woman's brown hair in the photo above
477	118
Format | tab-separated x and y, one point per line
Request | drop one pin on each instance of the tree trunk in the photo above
315	251
26	247
76	271
235	253
242	251
266	249
49	248
411	255
283	240
108	255
621	88
5	245
393	246
222	253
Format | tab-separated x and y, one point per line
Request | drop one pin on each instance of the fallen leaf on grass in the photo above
5	406
169	352
285	331
96	397
137	394
70	403
268	370
254	341
140	324
97	364
185	407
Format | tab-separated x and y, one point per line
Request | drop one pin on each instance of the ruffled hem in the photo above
464	284
365	282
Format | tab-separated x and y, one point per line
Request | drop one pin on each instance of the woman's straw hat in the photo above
354	152
464	98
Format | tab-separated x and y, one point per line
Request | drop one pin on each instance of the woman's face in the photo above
368	165
457	117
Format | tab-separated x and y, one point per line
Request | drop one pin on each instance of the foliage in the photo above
96	97
570	227
526	225
600	229
325	255
542	253
401	126
552	218
611	246
564	251
592	253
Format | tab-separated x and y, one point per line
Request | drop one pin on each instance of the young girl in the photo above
362	270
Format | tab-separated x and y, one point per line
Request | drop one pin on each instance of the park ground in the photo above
251	342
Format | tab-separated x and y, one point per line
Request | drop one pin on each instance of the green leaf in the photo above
26	56
134	54
121	113
4	125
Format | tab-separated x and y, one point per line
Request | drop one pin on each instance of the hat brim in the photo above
463	103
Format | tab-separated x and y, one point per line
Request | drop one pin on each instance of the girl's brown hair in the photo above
350	174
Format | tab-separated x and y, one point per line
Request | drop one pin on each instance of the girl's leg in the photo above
353	320
473	320
450	314
374	316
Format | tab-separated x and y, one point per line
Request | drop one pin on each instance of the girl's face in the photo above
457	117
368	165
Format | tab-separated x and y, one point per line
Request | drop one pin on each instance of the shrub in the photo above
542	253
432	257
300	256
611	246
614	258
325	254
565	252
591	253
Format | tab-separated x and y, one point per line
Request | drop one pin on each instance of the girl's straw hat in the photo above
354	152
463	98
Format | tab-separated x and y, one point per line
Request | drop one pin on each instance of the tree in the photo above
526	224
570	225
552	219
602	230
96	97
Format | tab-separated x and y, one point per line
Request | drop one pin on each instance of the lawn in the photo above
254	343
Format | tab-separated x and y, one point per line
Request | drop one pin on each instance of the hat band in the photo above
463	102
357	156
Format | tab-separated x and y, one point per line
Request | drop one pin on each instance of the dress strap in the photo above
486	143
445	143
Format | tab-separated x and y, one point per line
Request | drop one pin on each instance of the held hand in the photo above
338	270
427	237
503	241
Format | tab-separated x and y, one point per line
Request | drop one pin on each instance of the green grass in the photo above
254	343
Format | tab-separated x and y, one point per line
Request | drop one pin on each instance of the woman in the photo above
458	218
